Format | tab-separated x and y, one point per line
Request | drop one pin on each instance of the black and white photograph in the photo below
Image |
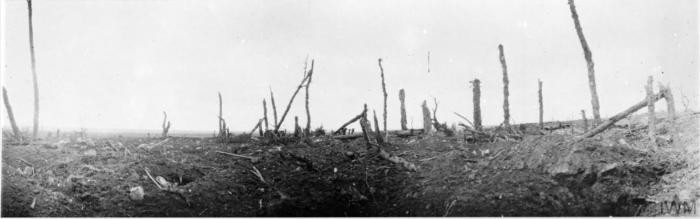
349	108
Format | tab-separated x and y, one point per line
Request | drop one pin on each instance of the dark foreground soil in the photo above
621	173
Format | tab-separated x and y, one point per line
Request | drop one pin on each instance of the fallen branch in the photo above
257	173
465	119
358	117
252	159
291	100
605	125
347	137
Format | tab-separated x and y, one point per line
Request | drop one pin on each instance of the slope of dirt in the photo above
620	173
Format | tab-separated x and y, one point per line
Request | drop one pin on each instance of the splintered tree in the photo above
539	94
274	108
589	61
307	130
506	106
585	120
15	130
651	122
291	100
34	77
427	121
381	70
402	98
265	114
378	133
476	91
670	103
165	126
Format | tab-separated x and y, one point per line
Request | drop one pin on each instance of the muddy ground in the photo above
620	173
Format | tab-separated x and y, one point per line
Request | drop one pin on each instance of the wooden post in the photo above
289	105
651	122
506	106
600	128
590	65
366	127
670	103
381	70
34	77
476	92
15	130
166	127
378	133
427	124
296	126
307	130
265	114
539	94
585	121
402	98
274	108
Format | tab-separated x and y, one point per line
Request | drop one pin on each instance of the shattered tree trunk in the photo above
166	127
15	130
506	105
476	90
265	114
589	63
34	77
427	121
307	130
585	121
296	126
600	128
670	103
274	108
381	70
221	119
291	100
366	127
539	94
651	121
402	98
378	133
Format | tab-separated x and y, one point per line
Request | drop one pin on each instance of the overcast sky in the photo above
118	64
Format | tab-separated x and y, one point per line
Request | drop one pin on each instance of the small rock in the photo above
622	141
136	193
349	153
91	152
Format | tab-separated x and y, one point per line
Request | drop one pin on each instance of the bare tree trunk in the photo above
307	131
265	114
600	128
15	130
166	127
506	106
378	133
366	127
476	91
427	124
289	105
34	77
585	121
402	98
221	118
589	61
670	103
274	108
651	122
539	94
381	70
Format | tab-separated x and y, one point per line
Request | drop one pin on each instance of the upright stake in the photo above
427	121
34	77
476	92
364	124
265	114
585	121
274	108
589	61
8	107
506	106
166	127
539	94
296	126
402	98
381	70
378	133
650	105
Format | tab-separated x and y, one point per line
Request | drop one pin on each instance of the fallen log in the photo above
605	125
347	137
291	100
358	117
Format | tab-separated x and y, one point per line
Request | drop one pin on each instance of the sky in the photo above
118	64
